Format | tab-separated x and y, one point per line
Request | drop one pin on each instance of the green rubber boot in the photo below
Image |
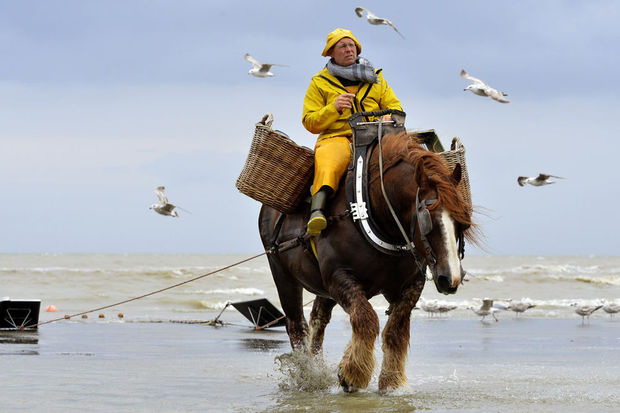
317	221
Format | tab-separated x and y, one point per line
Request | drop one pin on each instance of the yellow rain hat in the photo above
338	34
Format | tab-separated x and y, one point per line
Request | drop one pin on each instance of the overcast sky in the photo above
102	101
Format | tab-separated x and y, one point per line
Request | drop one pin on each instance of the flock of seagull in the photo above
488	307
477	86
491	307
263	70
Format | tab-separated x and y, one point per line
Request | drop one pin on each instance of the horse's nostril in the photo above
444	285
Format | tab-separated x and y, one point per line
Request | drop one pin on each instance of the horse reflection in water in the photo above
349	270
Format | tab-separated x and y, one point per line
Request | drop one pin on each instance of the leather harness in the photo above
367	137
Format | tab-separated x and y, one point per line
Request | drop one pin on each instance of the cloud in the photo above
101	103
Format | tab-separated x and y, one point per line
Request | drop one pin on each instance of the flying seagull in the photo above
164	207
485	309
585	310
540	180
259	69
480	88
374	20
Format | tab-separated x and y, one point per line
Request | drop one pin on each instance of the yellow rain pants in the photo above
331	159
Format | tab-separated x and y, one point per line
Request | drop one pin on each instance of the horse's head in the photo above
438	225
429	207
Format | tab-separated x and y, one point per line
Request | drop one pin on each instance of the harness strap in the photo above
276	230
387	200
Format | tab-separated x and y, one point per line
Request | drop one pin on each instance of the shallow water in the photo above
454	365
158	359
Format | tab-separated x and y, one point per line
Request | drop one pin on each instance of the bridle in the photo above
422	219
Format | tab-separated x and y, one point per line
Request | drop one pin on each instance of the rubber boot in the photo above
317	221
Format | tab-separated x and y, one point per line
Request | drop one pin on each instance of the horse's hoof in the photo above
345	386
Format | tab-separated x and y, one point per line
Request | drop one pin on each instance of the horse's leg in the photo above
290	293
357	364
319	318
396	339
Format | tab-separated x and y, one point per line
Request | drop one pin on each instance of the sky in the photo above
102	101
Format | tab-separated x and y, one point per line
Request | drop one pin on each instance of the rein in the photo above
420	208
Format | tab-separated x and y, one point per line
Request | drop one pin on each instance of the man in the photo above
347	84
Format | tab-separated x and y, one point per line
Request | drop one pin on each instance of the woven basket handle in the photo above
267	120
456	144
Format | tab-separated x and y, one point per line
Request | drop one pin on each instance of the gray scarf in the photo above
362	70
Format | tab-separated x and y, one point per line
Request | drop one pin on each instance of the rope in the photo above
66	317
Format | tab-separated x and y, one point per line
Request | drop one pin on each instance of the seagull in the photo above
585	310
611	308
540	180
485	309
480	88
164	207
431	307
374	20
520	307
259	69
445	308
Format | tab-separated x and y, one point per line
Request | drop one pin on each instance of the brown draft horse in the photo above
349	271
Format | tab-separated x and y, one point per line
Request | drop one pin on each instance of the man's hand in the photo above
344	101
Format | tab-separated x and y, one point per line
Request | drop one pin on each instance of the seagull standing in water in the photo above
431	307
480	88
374	20
445	307
585	310
520	307
540	180
611	308
485	309
164	207
259	69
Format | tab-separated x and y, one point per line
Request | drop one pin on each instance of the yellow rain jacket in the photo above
320	115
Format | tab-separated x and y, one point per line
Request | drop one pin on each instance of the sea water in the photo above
158	357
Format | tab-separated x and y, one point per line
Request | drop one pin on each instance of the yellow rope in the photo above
66	317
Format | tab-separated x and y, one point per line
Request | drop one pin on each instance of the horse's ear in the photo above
456	174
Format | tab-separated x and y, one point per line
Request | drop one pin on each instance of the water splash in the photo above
303	372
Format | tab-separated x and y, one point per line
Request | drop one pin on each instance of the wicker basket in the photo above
277	172
455	155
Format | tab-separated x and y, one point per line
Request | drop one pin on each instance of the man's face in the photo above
344	52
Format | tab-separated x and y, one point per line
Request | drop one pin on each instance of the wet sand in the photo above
454	365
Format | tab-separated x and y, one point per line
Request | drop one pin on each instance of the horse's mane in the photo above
403	147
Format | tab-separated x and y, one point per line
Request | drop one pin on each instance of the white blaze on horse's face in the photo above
452	252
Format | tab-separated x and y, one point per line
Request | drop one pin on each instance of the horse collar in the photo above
359	202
